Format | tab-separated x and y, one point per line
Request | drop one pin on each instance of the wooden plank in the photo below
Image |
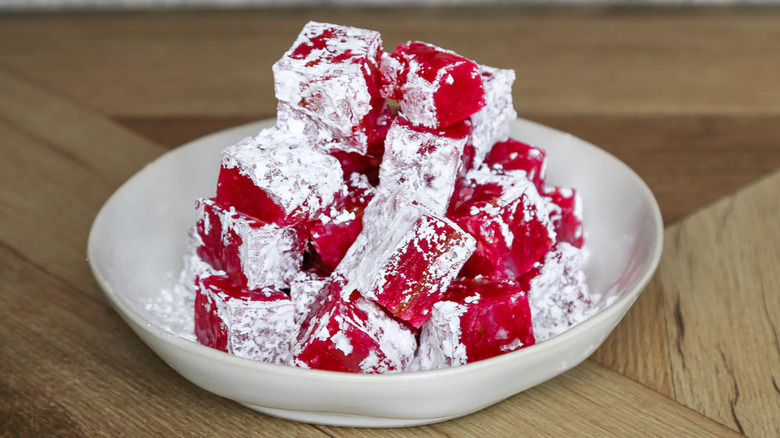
69	366
75	132
721	280
589	400
572	60
60	163
638	348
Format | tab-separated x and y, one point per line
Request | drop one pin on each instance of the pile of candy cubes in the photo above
387	222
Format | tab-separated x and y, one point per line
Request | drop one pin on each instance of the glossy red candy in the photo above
510	221
476	319
405	257
567	216
434	87
515	155
334	230
413	277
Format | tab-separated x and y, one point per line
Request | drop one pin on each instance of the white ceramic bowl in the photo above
137	241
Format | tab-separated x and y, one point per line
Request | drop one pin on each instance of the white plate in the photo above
137	241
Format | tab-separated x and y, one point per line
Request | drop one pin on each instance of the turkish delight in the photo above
270	177
476	319
515	155
352	335
434	87
405	257
567	214
255	324
408	146
360	236
331	74
254	254
558	293
510	221
491	123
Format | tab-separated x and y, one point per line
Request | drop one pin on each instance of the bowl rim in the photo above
619	305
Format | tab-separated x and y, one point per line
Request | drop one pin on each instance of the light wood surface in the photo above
690	98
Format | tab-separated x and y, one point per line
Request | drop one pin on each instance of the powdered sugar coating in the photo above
510	221
352	336
257	255
331	73
306	288
491	123
440	344
475	320
423	163
280	164
558	292
386	219
258	325
405	257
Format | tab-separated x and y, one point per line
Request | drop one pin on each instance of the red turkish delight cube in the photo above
370	133
476	319
352	335
255	324
434	87
276	178
491	123
423	162
515	155
557	292
567	214
405	257
254	254
368	164
335	229
510	221
331	74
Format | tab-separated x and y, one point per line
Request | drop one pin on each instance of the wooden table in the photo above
690	98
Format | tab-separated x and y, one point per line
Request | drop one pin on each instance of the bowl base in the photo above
346	420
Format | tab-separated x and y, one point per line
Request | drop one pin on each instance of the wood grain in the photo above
589	400
705	332
587	60
71	367
60	163
721	281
